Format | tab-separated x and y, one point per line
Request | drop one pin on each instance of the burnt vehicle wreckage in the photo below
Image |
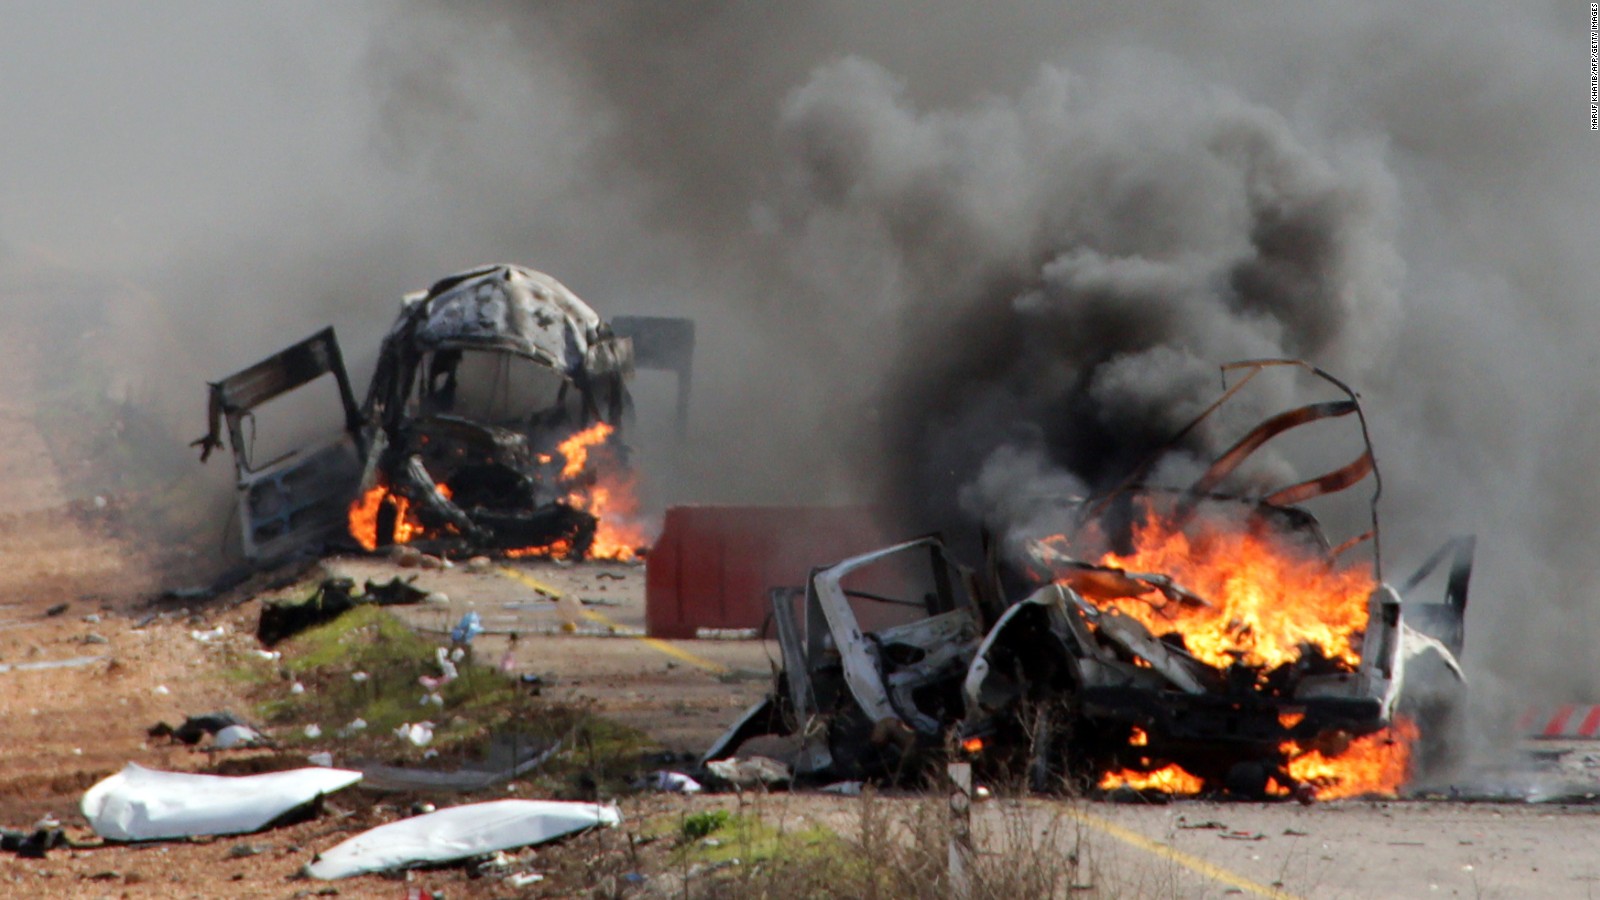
477	384
900	658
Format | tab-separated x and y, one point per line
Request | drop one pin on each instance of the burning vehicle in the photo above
1188	640
493	422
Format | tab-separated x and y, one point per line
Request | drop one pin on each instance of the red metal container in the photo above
712	565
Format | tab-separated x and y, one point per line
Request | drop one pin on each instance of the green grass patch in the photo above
365	665
750	840
483	712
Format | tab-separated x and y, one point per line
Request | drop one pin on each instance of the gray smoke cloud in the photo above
988	248
939	253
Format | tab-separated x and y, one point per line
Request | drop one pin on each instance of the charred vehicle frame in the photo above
1063	689
477	382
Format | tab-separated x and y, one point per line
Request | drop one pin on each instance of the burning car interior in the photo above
1185	639
493	423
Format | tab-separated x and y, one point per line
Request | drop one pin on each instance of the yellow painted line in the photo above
672	650
1193	863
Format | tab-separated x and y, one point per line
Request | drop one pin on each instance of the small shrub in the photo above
701	824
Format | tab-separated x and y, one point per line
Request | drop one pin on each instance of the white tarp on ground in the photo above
460	832
139	804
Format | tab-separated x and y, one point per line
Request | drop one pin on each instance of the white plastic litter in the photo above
447	669
321	759
476	829
297	688
675	783
420	734
139	804
206	637
236	736
313	731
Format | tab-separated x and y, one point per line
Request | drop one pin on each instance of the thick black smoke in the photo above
1072	265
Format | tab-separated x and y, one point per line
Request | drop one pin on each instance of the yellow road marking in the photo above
672	650
1193	863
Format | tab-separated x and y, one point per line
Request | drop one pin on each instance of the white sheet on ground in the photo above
460	832
139	804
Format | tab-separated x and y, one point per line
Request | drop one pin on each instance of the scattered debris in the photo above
672	783
470	626
140	804
458	833
419	734
214	634
35	844
283	619
76	662
468	778
195	728
752	771
235	736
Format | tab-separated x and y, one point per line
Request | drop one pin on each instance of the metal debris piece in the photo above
283	619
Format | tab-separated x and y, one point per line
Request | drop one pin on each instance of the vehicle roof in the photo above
506	307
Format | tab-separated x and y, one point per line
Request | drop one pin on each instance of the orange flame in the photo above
1172	779
609	494
363	517
1266	598
1376	764
596	483
601	487
555	550
575	449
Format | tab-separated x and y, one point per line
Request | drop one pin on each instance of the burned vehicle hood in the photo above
511	308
